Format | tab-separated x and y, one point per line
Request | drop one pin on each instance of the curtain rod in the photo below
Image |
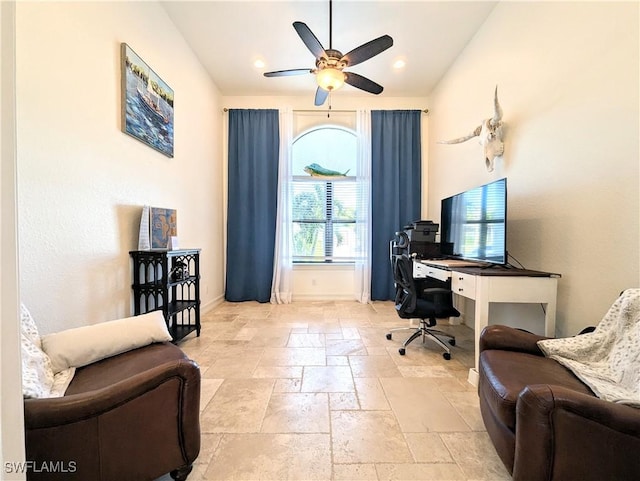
426	111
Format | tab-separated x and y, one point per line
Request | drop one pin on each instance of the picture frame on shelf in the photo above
163	226
158	228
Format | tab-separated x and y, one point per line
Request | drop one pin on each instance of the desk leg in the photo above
481	320
481	315
550	318
458	303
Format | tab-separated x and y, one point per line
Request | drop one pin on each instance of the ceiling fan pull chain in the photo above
329	109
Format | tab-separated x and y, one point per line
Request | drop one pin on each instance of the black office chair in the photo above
431	304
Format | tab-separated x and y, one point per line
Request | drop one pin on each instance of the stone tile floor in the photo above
315	391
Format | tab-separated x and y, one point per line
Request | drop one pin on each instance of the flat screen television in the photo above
473	224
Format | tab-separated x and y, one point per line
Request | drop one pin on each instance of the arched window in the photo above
324	207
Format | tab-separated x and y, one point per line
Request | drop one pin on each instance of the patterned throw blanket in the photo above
607	359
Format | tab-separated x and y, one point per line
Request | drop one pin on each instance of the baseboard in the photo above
215	302
211	304
323	297
474	377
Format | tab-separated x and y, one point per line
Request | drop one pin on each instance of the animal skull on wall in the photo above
489	133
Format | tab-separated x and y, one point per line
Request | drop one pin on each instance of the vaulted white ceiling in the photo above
229	36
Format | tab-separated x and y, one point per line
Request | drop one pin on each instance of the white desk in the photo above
485	286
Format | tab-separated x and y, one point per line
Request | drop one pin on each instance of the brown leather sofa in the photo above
544	422
134	416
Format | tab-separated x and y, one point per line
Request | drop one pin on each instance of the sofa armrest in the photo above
509	339
562	434
51	412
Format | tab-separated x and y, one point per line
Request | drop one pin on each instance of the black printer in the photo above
419	238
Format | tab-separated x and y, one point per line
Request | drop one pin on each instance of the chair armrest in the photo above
51	412
562	434
506	338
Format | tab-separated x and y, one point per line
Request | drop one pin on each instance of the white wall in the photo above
331	282
568	84
82	182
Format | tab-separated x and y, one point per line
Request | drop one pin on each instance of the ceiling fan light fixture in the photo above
330	79
399	64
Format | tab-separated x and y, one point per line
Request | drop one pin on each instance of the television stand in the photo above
486	286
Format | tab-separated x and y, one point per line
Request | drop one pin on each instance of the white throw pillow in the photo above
85	345
37	374
61	382
28	326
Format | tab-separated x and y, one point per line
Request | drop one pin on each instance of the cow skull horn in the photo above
459	140
497	110
490	134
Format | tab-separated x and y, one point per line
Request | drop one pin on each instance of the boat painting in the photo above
147	104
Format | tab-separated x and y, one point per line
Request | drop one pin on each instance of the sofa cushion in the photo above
504	374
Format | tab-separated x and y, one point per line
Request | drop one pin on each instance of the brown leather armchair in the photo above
544	422
134	416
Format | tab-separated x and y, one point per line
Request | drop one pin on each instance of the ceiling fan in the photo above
330	63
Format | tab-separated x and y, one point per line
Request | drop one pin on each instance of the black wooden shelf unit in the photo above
169	280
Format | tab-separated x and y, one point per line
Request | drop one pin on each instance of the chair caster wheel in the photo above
401	351
452	342
389	336
447	356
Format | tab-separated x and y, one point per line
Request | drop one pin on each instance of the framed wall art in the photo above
147	103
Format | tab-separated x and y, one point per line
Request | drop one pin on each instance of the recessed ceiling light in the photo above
258	64
399	64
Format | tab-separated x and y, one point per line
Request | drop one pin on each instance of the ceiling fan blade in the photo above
362	83
287	73
321	96
309	39
368	50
